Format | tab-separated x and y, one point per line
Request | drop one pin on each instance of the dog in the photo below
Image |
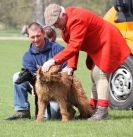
66	90
27	75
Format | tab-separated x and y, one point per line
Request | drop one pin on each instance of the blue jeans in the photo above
21	98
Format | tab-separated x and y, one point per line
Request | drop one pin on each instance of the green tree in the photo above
15	13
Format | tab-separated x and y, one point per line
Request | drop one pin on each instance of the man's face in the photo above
36	36
61	22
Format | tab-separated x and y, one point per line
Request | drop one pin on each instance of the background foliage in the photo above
16	13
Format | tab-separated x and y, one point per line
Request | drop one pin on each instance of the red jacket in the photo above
88	32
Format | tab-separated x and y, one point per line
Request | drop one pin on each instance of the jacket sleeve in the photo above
77	34
56	48
28	63
72	62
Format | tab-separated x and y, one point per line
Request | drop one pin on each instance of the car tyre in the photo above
121	86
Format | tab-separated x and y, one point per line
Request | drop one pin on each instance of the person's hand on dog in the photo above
68	70
47	65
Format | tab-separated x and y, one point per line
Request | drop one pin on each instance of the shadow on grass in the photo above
121	114
121	117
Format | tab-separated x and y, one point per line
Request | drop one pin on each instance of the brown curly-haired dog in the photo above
66	90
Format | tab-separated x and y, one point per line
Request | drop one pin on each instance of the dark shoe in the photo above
101	113
20	115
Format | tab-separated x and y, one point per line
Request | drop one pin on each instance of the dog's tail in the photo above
81	99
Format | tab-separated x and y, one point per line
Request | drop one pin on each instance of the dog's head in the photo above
25	75
52	75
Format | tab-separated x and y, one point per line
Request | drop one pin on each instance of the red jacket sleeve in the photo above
77	31
72	62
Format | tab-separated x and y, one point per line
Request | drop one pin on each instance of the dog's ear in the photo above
22	69
39	70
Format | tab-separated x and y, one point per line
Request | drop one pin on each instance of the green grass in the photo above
10	32
120	123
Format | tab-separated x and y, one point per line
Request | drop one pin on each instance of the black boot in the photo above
20	115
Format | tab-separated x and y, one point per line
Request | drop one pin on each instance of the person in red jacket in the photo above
104	45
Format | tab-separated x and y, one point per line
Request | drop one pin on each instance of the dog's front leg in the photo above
41	108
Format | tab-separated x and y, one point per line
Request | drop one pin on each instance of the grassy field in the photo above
10	32
119	125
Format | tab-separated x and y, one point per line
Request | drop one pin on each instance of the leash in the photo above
49	111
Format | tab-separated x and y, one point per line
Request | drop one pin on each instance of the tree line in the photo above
16	13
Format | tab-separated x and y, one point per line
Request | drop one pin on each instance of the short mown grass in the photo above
120	123
10	32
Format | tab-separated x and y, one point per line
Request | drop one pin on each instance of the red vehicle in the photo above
121	81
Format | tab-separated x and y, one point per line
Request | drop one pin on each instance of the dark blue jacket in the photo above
34	57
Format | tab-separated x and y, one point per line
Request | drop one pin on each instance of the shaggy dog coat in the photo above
66	90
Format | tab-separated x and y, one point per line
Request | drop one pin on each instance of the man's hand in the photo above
68	70
47	65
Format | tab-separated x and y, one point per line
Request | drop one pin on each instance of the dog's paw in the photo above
39	120
65	120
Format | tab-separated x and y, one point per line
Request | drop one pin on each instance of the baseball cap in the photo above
51	14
